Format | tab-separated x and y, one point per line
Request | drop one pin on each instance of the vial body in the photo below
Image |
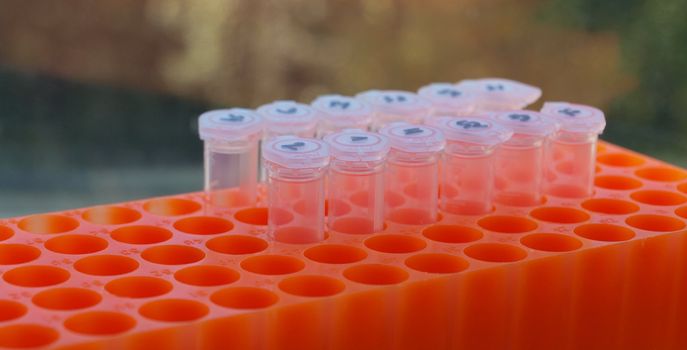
356	197
231	172
519	166
296	204
417	180
571	161
468	179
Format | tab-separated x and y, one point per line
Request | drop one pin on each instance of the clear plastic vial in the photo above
520	160
499	95
356	181
468	167
337	112
231	138
391	106
288	118
572	156
413	171
447	99
296	170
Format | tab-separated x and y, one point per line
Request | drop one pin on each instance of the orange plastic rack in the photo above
172	273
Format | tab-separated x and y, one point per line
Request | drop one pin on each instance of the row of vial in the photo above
347	164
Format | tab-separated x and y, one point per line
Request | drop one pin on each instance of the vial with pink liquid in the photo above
572	154
520	166
296	170
468	170
337	112
288	118
447	99
392	106
231	138
413	171
498	95
356	181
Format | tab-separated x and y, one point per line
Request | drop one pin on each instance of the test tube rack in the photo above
604	272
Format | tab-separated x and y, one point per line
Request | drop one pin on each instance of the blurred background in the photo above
99	99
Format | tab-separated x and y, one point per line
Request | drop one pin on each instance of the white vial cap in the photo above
527	123
342	110
296	152
477	130
502	91
229	124
448	97
576	118
357	145
409	138
287	117
396	102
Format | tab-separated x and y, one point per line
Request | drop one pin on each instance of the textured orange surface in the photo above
173	273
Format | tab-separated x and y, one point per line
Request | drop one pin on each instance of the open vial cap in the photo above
357	145
498	91
447	98
287	116
575	118
527	123
342	110
477	130
296	152
411	138
229	124
396	102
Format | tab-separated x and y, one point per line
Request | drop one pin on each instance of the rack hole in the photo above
560	215
376	274
620	159
604	232
244	298
394	243
297	235
681	211
353	225
106	265
252	216
173	310
610	206
507	224
237	244
436	263
76	244
48	223
173	254
312	286
26	336
141	234
335	254
203	225
551	242
495	252
11	310
617	182
452	233
272	264
657	197
111	215
12	254
5	232
206	275
663	174
681	187
100	323
66	298
138	287
171	206
36	276
656	223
